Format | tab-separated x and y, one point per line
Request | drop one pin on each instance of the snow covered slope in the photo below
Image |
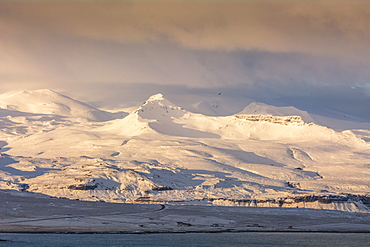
210	103
162	153
46	101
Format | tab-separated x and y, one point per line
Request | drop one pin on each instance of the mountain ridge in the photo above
162	153
46	101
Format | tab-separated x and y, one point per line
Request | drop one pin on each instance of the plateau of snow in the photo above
263	156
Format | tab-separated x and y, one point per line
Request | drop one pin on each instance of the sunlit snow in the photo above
162	153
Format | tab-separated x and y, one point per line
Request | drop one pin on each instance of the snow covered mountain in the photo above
162	153
46	101
258	108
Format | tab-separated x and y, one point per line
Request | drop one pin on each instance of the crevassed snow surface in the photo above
162	153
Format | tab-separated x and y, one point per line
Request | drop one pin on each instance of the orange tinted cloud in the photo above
199	44
323	27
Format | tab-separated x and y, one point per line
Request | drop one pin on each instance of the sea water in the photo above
188	239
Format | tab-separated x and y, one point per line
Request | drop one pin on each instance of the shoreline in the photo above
186	232
22	214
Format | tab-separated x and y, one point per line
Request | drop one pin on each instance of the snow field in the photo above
162	153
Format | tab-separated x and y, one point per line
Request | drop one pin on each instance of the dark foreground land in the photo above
23	212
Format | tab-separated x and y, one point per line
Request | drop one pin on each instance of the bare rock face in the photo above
354	203
82	187
296	120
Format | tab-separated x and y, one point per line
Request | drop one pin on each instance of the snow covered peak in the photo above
257	108
46	101
153	116
44	91
159	99
157	107
20	94
156	97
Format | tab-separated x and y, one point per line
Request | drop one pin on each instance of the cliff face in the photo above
351	203
296	120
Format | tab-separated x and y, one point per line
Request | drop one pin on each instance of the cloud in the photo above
269	48
299	26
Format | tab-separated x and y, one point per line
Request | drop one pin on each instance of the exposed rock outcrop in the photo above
297	120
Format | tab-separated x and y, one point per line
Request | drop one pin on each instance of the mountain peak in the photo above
35	94
157	106
46	101
160	100
156	97
44	90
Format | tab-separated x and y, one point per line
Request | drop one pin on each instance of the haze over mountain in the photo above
163	153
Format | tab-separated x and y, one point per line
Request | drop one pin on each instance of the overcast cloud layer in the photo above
297	51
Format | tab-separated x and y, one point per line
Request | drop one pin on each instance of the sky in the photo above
310	54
